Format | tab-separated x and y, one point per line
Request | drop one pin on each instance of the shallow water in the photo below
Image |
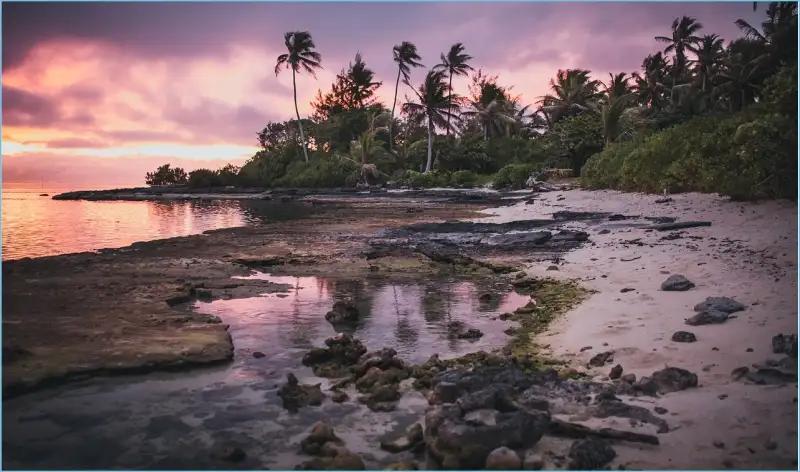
35	226
174	420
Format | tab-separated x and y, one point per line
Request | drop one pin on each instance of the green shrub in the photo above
514	175
317	173
463	178
747	155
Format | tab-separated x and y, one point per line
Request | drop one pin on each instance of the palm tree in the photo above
779	32
369	148
620	119
571	93
454	63
710	51
300	56
406	57
436	104
618	85
495	117
360	83
738	82
683	38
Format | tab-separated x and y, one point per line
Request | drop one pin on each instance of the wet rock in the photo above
381	398
723	304
228	453
485	297
296	395
590	454
503	458
781	344
683	337
677	283
339	396
412	437
343	312
520	239
178	300
600	359
533	461
616	372
669	379
628	378
471	333
342	350
707	318
259	355
321	433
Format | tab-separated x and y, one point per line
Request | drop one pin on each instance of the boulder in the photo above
677	283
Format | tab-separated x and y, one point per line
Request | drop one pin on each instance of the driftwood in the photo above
678	225
577	431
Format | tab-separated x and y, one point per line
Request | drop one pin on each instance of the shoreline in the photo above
748	253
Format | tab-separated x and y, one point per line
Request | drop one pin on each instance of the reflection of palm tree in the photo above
404	331
302	333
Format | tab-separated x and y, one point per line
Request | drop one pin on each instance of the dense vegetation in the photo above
701	115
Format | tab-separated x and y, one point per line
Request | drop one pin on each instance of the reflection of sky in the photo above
36	226
410	318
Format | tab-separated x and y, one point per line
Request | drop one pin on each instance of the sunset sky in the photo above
100	93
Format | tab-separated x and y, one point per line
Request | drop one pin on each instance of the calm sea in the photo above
35	226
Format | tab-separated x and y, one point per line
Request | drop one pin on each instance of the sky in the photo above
100	93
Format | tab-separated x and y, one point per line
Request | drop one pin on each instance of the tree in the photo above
454	63
710	51
436	104
300	57
406	56
368	148
166	175
570	94
683	38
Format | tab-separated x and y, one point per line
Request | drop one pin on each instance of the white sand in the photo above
760	272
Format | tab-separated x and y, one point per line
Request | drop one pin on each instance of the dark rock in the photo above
599	360
342	349
586	348
520	239
485	297
669	379
446	392
343	312
552	267
677	283
259	354
321	433
628	378
723	304
590	454
177	300
683	337
296	396
616	408
616	372
627	289
402	465
533	461
739	372
781	344
718	444
412	436
660	410
707	318
471	333
770	445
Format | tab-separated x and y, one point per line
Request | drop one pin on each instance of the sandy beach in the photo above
748	253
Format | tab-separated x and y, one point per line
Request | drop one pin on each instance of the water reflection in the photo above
415	319
35	226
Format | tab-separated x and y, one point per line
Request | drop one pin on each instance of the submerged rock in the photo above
343	312
342	351
677	283
296	395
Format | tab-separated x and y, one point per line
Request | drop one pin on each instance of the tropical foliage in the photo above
702	113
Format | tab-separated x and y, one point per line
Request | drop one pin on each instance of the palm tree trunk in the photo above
429	164
297	112
394	104
449	99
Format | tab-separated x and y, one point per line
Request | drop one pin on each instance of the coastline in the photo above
748	253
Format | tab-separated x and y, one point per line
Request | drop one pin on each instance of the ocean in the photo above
36	226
